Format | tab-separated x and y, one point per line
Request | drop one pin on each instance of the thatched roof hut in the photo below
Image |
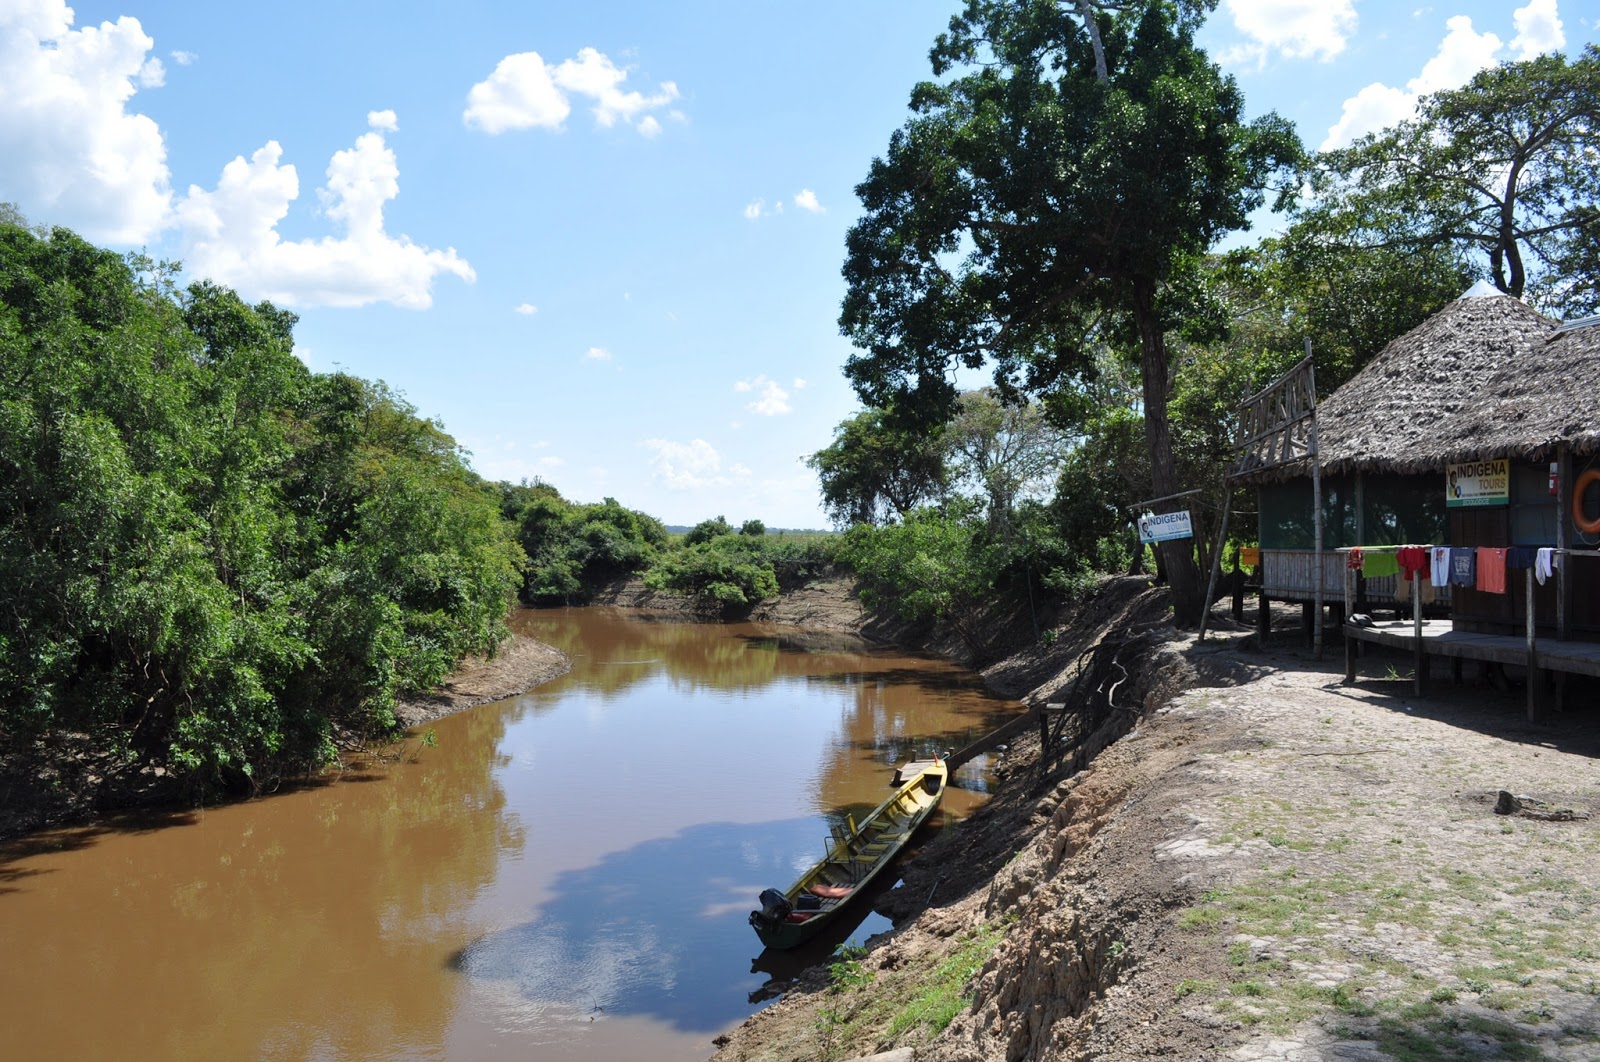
1485	376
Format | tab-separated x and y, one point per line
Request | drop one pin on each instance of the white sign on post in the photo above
1159	527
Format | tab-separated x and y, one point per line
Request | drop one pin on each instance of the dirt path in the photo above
1272	866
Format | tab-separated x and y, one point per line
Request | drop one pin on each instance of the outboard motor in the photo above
775	907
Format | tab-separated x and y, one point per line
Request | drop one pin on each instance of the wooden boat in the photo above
855	856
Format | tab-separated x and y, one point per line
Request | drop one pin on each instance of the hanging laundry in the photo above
1544	565
1353	559
1491	570
1463	566
1440	556
1413	561
1376	565
1520	558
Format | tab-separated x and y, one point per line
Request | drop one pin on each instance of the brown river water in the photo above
561	875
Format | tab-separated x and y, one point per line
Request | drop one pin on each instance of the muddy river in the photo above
561	875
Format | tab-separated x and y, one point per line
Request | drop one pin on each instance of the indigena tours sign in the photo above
1159	527
1473	483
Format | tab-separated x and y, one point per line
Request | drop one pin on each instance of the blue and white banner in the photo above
1159	527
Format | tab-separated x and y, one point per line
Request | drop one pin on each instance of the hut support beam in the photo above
1419	662
1316	494
1563	599
1349	642
1216	556
1533	656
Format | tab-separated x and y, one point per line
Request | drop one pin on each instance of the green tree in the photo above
1030	196
573	550
215	558
936	565
1503	166
877	469
1003	450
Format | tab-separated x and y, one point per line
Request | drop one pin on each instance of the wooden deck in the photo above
1438	639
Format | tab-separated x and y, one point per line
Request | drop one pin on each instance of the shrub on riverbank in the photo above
733	571
212	558
574	549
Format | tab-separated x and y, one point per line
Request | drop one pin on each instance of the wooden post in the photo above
1349	639
1263	618
1216	557
1533	657
1563	599
1316	496
1419	659
1044	742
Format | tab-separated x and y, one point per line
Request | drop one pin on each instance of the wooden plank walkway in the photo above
1439	639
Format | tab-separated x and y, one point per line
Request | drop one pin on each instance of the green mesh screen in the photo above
1399	509
1286	515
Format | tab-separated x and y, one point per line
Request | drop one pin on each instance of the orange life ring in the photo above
1579	517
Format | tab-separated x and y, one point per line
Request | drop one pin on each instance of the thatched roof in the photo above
1484	377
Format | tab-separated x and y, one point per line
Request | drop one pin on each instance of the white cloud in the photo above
70	151
799	383
597	354
183	58
754	209
384	120
1538	29
230	234
1461	54
691	465
771	399
806	199
1295	29
527	309
525	92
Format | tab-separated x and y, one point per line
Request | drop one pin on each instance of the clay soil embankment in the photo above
1270	865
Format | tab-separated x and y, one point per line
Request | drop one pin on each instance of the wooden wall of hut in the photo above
1530	520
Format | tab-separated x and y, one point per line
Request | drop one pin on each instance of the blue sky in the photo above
600	242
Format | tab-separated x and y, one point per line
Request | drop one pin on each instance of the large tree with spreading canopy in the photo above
1504	167
1065	173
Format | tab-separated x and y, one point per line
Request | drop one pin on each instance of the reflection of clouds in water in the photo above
658	930
546	965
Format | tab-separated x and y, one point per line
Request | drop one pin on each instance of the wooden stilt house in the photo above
1489	390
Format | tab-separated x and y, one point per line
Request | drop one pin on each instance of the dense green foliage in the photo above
1503	166
211	557
876	470
730	572
575	549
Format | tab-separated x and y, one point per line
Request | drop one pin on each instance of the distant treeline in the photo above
575	549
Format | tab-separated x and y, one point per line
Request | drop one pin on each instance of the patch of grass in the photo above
1190	986
1200	918
946	992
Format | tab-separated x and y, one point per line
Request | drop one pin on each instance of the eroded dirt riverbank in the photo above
1272	865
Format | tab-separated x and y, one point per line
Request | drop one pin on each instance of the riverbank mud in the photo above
521	664
1268	864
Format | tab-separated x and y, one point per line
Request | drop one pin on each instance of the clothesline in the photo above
1476	567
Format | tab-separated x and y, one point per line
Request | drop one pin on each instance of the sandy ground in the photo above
1273	865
